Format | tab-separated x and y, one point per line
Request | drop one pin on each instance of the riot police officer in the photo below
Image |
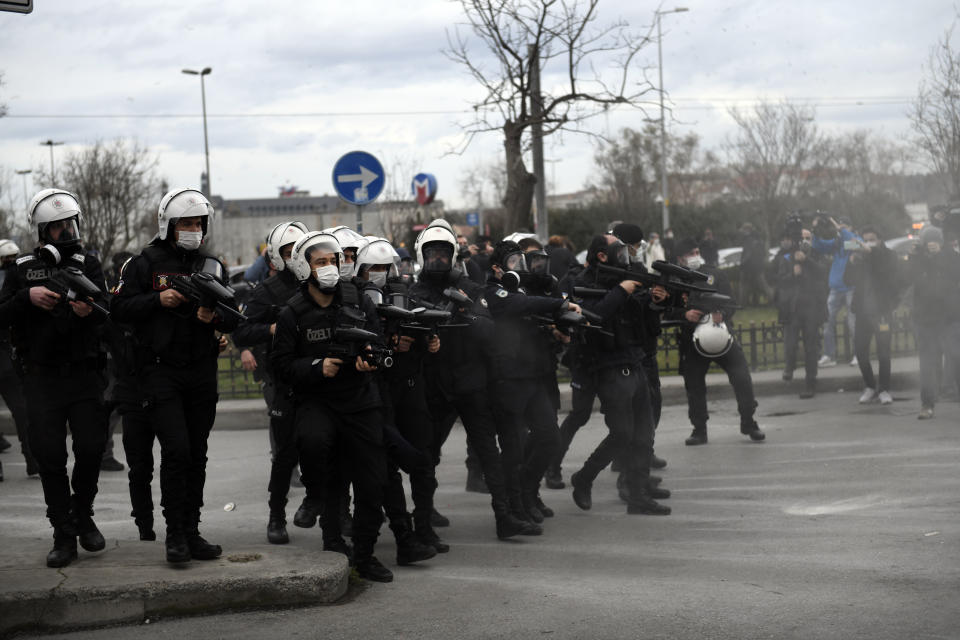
705	338
11	387
336	397
457	375
54	335
612	363
257	334
177	359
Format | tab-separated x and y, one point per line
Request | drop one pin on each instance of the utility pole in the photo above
51	144
203	99
663	121
540	223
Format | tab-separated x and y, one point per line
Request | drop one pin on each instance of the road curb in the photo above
120	585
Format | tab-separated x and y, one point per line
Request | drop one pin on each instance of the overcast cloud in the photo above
384	57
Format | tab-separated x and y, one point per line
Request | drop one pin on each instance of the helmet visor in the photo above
437	256
61	231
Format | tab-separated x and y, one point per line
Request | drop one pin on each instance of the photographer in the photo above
801	307
874	277
836	241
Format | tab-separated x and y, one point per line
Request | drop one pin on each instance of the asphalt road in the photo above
843	524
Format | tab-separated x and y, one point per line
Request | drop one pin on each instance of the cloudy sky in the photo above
297	84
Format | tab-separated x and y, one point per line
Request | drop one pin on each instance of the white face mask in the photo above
379	278
288	265
694	262
346	270
189	240
872	245
327	277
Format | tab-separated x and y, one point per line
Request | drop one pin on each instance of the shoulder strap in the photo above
349	293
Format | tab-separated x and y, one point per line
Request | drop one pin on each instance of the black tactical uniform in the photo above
262	310
456	378
11	387
59	355
694	365
177	362
522	364
614	361
344	410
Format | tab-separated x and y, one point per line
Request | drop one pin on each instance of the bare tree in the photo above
859	163
118	189
771	154
935	113
564	37
3	107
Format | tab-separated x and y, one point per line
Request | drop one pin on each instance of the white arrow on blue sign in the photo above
358	178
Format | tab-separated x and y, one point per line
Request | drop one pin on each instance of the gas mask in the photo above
189	240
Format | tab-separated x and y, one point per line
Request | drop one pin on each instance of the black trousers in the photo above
53	403
804	325
627	411
11	389
409	437
694	370
483	433
526	405
284	454
182	406
865	328
584	392
138	437
324	432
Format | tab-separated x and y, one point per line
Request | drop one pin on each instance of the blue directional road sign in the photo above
358	178
473	219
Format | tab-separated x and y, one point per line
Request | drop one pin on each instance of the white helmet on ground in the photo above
280	236
711	339
377	251
8	249
183	203
310	242
54	205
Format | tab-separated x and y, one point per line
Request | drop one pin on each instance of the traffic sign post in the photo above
473	219
358	178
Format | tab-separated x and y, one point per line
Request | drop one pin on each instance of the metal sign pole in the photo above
360	219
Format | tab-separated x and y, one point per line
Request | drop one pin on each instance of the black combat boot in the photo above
277	528
475	481
544	509
554	478
699	436
518	512
370	568
144	526
423	528
509	525
178	551
437	519
308	513
409	548
87	533
641	503
657	462
530	506
200	549
339	545
64	544
582	491
752	429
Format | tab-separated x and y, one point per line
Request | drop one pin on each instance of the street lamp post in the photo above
203	98
24	172
51	144
663	121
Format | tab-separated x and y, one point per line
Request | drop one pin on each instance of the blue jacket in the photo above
834	247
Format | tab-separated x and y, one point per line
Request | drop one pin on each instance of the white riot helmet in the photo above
183	203
518	236
56	206
440	222
711	339
310	242
280	236
440	254
8	249
348	239
376	252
